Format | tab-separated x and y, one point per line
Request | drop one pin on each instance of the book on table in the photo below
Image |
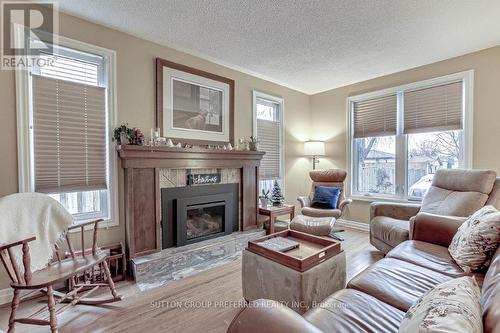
280	244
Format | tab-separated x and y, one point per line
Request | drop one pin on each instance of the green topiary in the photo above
277	197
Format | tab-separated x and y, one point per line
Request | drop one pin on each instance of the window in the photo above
268	128
400	136
64	118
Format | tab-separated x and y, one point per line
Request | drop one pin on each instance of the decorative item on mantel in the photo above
277	197
125	135
203	178
253	143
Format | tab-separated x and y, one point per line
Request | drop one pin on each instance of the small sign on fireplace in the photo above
203	178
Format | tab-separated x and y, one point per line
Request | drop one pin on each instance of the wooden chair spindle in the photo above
83	240
14	266
8	265
58	256
70	248
94	240
27	263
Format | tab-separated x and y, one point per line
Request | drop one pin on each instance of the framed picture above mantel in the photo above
193	106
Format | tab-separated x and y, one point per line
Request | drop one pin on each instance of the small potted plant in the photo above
254	143
123	135
264	198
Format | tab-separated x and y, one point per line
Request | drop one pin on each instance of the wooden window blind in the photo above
69	135
438	108
268	133
375	117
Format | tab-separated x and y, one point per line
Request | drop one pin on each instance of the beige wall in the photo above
136	103
328	111
321	116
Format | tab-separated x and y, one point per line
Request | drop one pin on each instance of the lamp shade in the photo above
314	148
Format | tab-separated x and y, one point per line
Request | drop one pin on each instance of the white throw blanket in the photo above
23	215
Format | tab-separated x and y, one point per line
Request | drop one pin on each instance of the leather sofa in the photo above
454	192
376	299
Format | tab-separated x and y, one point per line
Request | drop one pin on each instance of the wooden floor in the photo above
206	302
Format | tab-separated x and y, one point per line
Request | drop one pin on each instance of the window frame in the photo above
401	140
23	110
281	102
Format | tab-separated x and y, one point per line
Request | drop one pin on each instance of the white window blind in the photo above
269	136
375	117
69	134
66	68
438	108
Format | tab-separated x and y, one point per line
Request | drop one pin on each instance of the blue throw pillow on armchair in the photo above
325	197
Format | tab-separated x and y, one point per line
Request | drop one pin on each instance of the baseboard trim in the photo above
5	296
354	225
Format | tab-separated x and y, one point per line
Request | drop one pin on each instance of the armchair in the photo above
332	178
453	193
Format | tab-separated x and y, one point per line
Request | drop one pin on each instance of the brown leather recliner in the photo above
376	299
454	192
330	178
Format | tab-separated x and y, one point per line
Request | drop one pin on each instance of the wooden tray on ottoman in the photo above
312	250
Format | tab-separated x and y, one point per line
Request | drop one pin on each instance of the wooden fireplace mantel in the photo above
141	166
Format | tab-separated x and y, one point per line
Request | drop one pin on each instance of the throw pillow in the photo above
452	306
476	240
325	197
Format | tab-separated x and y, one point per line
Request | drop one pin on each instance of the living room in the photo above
253	166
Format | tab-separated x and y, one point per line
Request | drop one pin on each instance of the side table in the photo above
274	211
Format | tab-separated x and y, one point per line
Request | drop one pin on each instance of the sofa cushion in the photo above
490	296
432	256
446	202
319	212
465	180
396	282
350	310
390	231
476	239
452	306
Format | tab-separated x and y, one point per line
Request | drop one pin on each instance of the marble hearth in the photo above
177	262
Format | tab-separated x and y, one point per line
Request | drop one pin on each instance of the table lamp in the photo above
314	149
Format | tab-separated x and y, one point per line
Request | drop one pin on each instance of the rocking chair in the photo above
58	271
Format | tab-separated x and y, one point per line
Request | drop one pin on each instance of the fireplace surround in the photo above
142	188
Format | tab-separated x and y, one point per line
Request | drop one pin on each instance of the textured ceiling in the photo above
308	45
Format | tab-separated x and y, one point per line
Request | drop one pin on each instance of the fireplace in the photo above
195	213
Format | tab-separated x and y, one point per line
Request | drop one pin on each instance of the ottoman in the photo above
318	226
300	291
